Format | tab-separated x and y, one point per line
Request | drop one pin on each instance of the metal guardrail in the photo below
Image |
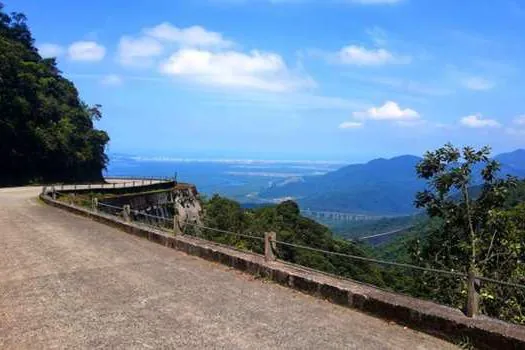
138	182
376	261
260	238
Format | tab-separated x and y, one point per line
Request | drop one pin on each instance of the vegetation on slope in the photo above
291	227
47	132
485	233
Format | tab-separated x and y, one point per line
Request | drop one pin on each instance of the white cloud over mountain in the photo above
257	70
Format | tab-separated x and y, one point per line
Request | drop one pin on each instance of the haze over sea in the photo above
240	179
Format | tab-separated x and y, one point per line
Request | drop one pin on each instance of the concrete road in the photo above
68	282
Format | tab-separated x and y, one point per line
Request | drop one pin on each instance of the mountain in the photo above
379	187
513	163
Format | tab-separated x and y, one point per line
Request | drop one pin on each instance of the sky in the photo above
292	79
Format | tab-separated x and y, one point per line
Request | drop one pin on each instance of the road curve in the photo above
68	282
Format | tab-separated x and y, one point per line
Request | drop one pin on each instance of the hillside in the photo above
47	133
381	186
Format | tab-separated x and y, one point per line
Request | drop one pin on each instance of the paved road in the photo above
67	282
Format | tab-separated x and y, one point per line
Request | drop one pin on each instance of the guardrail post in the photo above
473	285
94	204
54	193
176	224
89	186
44	190
126	213
114	183
269	246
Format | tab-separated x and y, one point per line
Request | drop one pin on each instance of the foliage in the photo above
290	227
479	234
47	133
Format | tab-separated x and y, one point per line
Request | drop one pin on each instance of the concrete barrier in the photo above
426	316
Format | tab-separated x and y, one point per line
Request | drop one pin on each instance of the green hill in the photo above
379	187
46	131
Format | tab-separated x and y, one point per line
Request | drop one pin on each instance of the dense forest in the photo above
467	228
46	131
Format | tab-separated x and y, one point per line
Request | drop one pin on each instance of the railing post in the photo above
44	190
176	224
54	193
89	186
94	204
472	294
114	183
126	213
269	246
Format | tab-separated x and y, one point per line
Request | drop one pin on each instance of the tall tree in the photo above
476	234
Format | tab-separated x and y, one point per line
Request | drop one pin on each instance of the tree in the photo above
476	234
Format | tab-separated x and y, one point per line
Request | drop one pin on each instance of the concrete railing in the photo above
423	315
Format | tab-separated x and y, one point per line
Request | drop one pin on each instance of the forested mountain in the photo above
381	186
46	131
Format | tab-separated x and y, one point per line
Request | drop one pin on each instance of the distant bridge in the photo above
339	216
365	238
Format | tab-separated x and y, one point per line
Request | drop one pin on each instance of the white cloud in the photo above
519	120
477	83
389	111
361	56
476	121
255	70
111	79
138	51
47	50
86	51
195	36
350	125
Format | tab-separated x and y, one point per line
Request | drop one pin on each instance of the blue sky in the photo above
292	79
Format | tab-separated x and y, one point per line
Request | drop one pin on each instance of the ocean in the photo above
239	179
